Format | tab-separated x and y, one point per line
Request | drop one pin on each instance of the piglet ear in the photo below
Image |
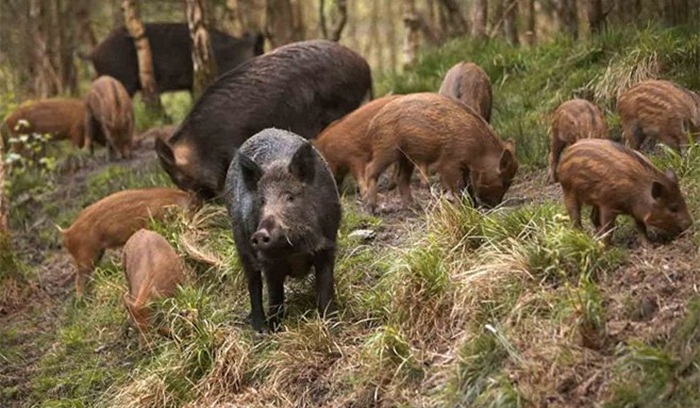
250	171
671	176
303	163
164	151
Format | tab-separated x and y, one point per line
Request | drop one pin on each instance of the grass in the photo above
510	307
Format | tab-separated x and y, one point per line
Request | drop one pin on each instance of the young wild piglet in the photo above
573	120
153	270
345	144
616	180
658	112
468	83
110	222
428	129
285	210
110	117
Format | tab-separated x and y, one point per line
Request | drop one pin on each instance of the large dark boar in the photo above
658	112
171	49
110	117
153	270
110	222
345	144
285	210
617	180
468	83
62	118
301	87
427	129
573	120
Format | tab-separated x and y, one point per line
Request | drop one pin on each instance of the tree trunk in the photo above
596	19
411	41
567	14
510	18
247	16
203	61
391	35
457	24
4	205
480	17
338	20
284	22
149	90
530	22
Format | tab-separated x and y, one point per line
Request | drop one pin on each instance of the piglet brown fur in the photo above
470	84
110	222
658	112
62	118
153	270
428	129
110	117
616	180
573	120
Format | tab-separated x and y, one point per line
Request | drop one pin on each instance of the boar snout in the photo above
268	235
261	239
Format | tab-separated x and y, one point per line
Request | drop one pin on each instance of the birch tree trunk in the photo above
530	22
480	17
204	64
149	90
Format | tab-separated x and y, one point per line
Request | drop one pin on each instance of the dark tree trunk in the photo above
284	22
149	90
204	64
567	14
596	18
510	18
456	22
530	22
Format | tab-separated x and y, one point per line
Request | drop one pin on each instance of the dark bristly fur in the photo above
573	120
301	87
428	129
172	56
617	180
468	83
285	211
658	112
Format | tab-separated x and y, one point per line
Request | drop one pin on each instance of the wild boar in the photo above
110	117
468	83
285	211
153	270
62	118
614	180
301	87
171	50
427	129
658	112
110	222
573	120
345	145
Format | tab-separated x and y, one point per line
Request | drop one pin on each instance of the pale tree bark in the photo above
411	41
530	22
43	72
338	19
480	17
204	64
510	18
391	35
284	22
149	90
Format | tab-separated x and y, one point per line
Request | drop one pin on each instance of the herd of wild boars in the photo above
276	135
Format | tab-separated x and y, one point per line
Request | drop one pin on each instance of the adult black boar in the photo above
301	87
285	211
171	48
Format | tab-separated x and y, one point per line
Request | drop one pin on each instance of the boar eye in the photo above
290	198
673	208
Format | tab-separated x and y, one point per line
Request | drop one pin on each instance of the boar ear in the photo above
509	145
657	190
671	176
250	170
164	151
303	163
507	160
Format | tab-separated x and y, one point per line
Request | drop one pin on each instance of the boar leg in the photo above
607	221
573	207
254	278
595	217
556	147
372	172
642	233
451	176
404	170
275	293
323	266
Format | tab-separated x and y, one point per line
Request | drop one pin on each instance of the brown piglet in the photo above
110	117
428	129
153	270
614	180
573	120
345	144
62	118
470	84
110	222
657	111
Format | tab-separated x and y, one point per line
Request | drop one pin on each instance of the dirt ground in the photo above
645	299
